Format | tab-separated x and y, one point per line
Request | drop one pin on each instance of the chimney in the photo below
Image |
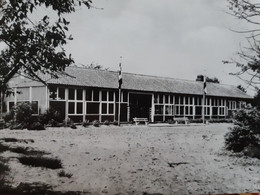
200	78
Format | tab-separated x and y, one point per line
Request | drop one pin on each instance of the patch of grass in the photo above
39	161
27	151
62	173
3	148
10	139
18	140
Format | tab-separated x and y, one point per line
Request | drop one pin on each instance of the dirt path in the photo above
133	160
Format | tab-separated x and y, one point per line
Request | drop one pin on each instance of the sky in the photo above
169	38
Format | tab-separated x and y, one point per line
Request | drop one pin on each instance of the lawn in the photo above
133	160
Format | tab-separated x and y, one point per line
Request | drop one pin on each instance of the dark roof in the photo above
109	79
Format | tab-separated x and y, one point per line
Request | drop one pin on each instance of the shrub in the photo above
170	121
23	113
62	173
39	161
36	126
115	122
106	122
96	123
246	131
73	126
51	117
85	123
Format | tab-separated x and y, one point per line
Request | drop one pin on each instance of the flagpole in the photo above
119	106
119	90
203	99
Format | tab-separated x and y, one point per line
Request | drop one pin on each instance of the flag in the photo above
120	81
205	85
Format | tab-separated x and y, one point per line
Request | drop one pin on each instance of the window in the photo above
79	94
124	96
158	109
89	95
181	99
111	96
168	110
104	108
156	98
104	95
79	108
71	107
61	93
166	99
53	93
95	95
35	107
160	98
177	99
171	99
71	94
92	108
111	108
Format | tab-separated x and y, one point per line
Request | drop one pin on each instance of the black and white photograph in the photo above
130	97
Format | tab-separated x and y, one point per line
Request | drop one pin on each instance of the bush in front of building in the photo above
115	123
19	117
85	123
245	135
106	122
96	123
51	117
36	126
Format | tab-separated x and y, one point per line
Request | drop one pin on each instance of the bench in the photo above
138	120
180	119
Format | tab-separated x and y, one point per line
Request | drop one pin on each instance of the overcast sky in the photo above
172	38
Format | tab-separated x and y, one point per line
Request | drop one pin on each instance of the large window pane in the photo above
158	109
92	108
61	93
79	94
111	108
35	109
71	107
160	98
71	94
111	96
89	95
104	108
79	108
95	95
53	93
166	99
168	110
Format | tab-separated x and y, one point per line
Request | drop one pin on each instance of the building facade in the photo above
93	95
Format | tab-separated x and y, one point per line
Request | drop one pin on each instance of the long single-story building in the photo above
89	94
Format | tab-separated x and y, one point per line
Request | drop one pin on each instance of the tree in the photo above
249	63
240	87
32	47
256	101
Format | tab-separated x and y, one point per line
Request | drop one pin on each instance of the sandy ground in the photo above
134	160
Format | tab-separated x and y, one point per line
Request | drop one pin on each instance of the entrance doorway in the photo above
140	105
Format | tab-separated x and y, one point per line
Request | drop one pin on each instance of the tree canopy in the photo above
249	63
29	46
